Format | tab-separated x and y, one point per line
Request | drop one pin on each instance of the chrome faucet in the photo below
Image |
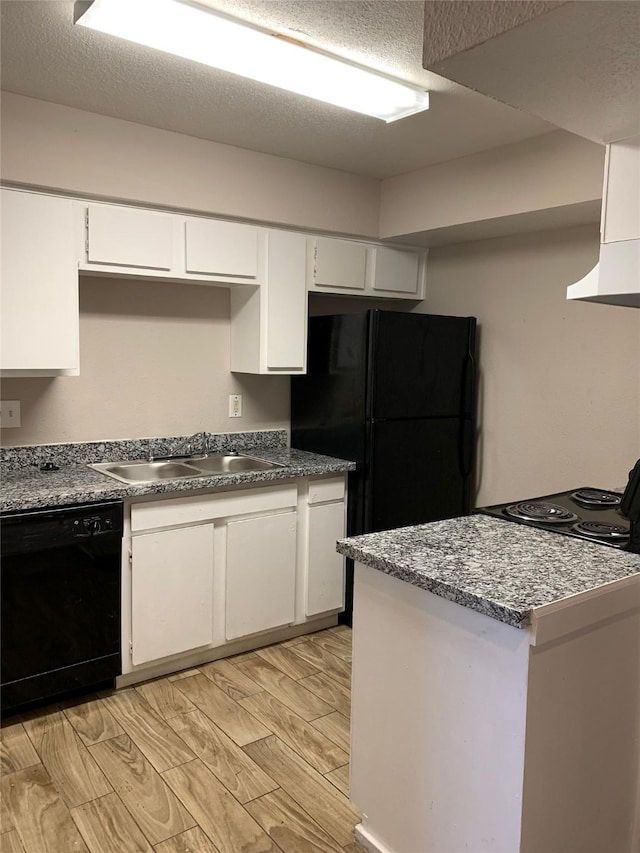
195	445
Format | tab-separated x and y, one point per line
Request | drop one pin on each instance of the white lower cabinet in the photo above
171	592
209	570
261	574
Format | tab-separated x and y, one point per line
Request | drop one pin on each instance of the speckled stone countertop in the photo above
24	486
496	567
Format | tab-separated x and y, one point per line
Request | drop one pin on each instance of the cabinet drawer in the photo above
173	511
126	237
321	491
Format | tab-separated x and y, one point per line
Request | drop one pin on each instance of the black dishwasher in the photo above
60	591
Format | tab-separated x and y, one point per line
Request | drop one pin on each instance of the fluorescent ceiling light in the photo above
199	34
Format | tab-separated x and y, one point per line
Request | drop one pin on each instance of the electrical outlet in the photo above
235	405
10	413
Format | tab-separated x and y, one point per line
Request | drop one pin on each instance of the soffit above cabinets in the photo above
575	64
44	56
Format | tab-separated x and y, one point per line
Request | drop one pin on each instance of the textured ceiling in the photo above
577	64
45	56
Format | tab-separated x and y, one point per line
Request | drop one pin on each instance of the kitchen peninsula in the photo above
496	690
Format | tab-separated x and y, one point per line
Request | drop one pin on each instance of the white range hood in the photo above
615	279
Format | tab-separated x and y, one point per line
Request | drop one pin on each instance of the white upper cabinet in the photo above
339	263
117	240
356	268
39	303
396	271
226	249
269	323
128	237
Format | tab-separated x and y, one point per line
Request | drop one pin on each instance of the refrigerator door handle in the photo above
467	419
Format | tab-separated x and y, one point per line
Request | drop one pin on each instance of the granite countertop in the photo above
29	488
496	567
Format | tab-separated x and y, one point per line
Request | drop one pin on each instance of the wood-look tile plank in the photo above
72	769
320	751
354	847
164	698
286	644
16	750
148	800
91	720
326	688
230	679
241	657
289	692
218	813
152	735
336	728
6	823
237	772
307	787
232	718
332	643
291	828
185	673
337	669
340	778
107	827
10	843
285	660
40	815
343	631
41	720
192	841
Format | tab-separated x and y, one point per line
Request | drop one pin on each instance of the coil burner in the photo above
540	511
596	498
603	530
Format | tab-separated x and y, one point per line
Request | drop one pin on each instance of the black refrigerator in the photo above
395	393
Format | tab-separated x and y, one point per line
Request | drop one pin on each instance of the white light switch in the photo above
235	405
9	413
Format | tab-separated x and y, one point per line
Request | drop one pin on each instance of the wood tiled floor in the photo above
244	755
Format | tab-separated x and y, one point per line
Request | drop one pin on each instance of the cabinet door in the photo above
127	237
261	573
172	582
39	309
227	249
340	263
396	270
325	567
286	302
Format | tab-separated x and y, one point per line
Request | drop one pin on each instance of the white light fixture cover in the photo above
202	35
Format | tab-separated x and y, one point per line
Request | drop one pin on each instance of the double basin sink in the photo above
145	471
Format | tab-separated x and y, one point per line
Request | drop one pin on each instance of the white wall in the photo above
154	361
559	381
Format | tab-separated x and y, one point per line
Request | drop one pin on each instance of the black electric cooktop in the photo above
587	513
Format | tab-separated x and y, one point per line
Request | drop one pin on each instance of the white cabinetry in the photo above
269	323
171	592
365	269
325	577
226	249
39	307
261	574
118	240
214	573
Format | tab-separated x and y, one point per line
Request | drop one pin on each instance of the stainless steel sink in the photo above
201	466
216	463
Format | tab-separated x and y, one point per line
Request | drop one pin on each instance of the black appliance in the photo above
596	515
395	393
60	589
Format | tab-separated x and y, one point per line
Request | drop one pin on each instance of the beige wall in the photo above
559	383
530	179
48	145
154	361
